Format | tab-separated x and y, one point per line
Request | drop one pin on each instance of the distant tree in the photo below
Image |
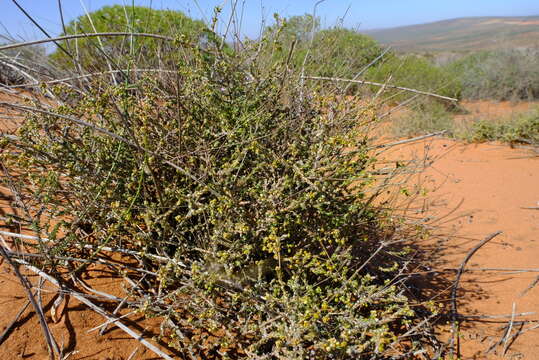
93	53
329	52
297	28
341	52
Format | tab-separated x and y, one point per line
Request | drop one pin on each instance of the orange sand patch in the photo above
487	110
475	190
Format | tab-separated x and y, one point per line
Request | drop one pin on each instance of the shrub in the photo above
522	129
341	52
335	52
256	192
499	75
416	73
18	66
96	54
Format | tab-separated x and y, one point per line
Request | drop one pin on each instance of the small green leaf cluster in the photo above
523	129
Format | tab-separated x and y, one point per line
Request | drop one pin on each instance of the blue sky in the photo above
362	14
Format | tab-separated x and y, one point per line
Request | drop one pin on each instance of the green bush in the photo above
341	52
499	75
96	54
335	52
258	192
522	129
416	73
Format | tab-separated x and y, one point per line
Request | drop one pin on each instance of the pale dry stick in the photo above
531	286
454	312
501	316
407	141
161	259
101	48
402	104
74	259
530	208
106	323
82	298
79	77
497	343
522	331
52	346
505	347
97	292
29	17
380	85
506	271
132	356
105	326
311	41
81	36
362	71
8	328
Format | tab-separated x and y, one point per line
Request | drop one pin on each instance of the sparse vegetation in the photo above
426	118
249	197
416	73
523	129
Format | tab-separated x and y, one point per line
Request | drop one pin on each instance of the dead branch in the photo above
52	346
454	312
83	299
380	85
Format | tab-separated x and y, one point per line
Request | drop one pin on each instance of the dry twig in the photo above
454	312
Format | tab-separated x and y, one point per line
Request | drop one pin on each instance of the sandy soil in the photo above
486	110
474	190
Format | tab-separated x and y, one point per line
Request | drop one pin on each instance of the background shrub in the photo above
112	53
424	118
414	72
334	52
523	128
511	74
19	66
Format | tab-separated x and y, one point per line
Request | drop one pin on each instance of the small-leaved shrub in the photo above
416	73
511	74
259	194
521	129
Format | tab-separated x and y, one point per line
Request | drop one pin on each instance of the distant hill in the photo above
474	33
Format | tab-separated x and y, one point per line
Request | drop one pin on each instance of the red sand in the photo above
476	190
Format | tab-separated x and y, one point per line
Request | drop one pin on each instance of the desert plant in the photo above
424	118
19	66
511	74
112	53
521	129
333	52
247	199
414	72
340	52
